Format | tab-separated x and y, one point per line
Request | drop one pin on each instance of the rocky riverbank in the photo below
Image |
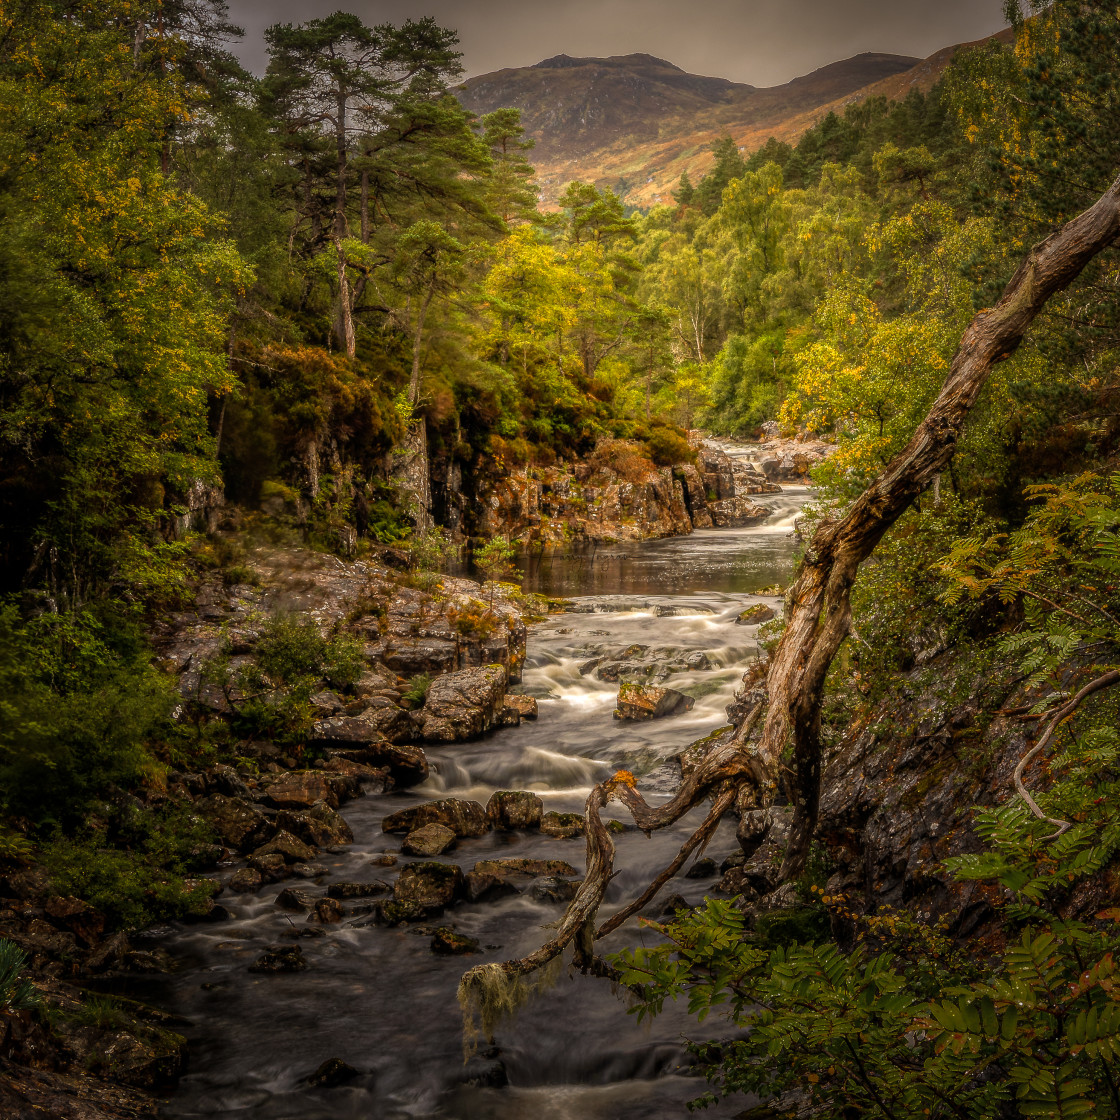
430	663
618	494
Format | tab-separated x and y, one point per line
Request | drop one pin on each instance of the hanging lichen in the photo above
489	993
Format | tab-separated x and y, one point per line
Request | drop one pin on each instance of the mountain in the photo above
635	122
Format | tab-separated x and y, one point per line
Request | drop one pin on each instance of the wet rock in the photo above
271	867
326	911
752	616
378	723
296	900
428	840
737	513
386	859
486	1070
565	826
449	943
110	954
491	879
239	824
280	958
464	818
702	869
407	764
590	666
463	705
319	827
397	913
430	885
510	810
643	702
246	880
347	891
332	1073
326	704
552	889
526	706
302	870
302	789
290	847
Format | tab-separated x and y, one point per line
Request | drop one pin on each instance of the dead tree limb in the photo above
818	615
1106	680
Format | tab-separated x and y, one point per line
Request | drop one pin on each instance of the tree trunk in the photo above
819	611
344	319
417	341
365	206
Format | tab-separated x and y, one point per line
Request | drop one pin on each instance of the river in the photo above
380	999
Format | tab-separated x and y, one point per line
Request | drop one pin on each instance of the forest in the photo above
321	310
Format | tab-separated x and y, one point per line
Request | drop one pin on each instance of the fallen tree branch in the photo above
1106	680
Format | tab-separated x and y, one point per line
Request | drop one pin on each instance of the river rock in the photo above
327	911
407	764
372	726
752	616
428	840
463	705
510	810
491	879
238	823
272	867
280	958
332	1073
464	818
290	847
565	826
737	513
246	880
430	885
447	942
320	826
636	701
552	889
294	899
526	706
302	789
705	868
347	891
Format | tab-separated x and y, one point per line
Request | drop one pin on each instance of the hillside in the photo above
635	122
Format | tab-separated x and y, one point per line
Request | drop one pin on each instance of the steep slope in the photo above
635	122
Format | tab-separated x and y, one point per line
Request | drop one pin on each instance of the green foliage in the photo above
79	700
136	868
16	993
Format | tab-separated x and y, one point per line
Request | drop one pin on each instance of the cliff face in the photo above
618	495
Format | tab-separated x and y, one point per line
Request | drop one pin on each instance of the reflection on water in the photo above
732	560
380	999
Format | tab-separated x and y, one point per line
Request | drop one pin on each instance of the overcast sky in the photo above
763	42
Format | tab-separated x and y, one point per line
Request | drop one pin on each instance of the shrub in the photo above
667	447
16	992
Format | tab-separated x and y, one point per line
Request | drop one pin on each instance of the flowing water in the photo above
379	998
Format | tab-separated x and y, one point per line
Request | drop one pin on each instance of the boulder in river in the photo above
738	513
346	891
565	826
246	880
291	898
461	706
237	822
428	840
280	958
551	888
303	788
332	1073
327	911
752	616
290	847
525	706
510	810
319	827
449	943
464	818
638	701
430	885
491	879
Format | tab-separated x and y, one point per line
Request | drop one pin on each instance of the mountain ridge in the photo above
635	122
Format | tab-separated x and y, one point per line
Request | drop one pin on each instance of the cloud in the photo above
763	42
